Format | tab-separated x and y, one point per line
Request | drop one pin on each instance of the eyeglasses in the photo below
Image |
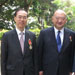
20	17
62	18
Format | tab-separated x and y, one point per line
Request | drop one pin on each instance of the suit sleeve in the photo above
3	54
74	63
40	51
74	55
35	55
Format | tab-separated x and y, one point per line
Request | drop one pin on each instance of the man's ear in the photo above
66	21
14	18
52	18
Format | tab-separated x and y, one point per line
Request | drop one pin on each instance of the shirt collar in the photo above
18	31
56	30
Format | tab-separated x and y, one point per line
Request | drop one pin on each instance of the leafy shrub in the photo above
2	32
36	31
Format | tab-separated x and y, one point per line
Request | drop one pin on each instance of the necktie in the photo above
58	41
22	42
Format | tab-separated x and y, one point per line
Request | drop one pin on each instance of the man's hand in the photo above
70	73
41	73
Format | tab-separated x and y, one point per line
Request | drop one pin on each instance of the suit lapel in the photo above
17	43
66	40
54	38
16	40
26	41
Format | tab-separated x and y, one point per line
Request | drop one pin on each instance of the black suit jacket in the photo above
13	62
50	60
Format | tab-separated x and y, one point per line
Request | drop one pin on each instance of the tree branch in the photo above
30	3
27	5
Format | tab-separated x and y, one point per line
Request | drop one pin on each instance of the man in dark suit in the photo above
56	47
18	49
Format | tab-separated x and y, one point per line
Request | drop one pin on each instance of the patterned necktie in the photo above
59	41
22	42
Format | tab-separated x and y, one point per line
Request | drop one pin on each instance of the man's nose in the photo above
60	20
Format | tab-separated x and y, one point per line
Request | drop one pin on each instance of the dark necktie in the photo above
58	41
22	42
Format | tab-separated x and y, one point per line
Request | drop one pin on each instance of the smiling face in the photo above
21	19
59	19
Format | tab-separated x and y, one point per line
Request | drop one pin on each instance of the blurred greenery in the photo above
40	13
36	31
2	32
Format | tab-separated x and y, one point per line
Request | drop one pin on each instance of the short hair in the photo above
59	10
19	9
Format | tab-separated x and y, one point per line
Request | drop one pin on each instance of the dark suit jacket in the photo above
13	62
74	63
50	60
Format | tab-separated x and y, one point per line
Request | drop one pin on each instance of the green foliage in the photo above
2	32
69	7
45	1
36	31
72	27
40	10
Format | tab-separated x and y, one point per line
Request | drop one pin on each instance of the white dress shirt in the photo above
61	34
18	33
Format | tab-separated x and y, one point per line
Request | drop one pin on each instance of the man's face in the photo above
21	19
59	19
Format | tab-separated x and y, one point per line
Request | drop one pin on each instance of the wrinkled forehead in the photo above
59	12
